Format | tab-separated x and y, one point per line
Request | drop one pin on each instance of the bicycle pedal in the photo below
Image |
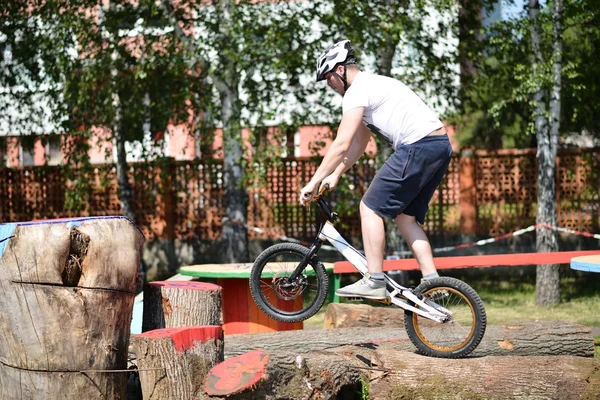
355	298
387	300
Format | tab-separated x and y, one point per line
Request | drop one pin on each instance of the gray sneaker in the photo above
367	288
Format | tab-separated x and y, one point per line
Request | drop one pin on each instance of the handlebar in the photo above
331	216
321	192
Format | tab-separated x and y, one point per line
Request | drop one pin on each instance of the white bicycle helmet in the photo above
339	53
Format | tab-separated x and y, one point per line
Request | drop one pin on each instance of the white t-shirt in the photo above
393	111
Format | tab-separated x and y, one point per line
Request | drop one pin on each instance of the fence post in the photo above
468	192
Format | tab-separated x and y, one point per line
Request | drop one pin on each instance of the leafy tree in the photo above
251	57
104	66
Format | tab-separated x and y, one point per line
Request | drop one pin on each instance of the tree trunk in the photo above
173	363
65	312
547	276
396	374
173	304
469	26
125	192
529	338
408	375
288	375
235	233
343	315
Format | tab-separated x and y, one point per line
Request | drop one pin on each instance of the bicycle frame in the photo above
329	233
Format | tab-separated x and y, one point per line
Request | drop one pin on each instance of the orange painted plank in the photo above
235	306
489	260
254	324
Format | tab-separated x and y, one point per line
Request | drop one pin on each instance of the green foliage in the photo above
497	107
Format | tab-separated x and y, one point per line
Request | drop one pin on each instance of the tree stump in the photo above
173	304
343	315
68	288
173	362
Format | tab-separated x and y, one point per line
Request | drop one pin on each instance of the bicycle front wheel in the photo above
279	297
461	332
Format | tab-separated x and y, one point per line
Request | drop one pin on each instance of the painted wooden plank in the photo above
586	263
477	261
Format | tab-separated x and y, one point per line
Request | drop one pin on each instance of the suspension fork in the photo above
314	248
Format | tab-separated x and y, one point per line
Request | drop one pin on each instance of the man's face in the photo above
335	82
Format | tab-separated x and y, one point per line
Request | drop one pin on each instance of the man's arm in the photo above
357	149
351	122
339	149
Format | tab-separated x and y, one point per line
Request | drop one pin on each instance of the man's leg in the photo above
373	234
418	242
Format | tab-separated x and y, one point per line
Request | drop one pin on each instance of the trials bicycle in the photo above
444	317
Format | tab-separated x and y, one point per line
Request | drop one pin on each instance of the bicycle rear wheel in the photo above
465	327
280	298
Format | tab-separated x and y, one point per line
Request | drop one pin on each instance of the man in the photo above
403	187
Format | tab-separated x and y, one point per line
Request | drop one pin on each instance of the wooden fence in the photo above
484	193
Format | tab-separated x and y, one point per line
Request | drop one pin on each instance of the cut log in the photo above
283	375
237	374
68	288
307	340
528	338
343	315
396	374
173	362
173	304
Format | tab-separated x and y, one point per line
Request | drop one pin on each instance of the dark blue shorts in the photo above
408	179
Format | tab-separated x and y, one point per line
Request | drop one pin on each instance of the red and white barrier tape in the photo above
442	249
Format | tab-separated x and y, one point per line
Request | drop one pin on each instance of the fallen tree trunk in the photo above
173	304
287	375
344	315
396	374
304	341
67	289
529	338
173	362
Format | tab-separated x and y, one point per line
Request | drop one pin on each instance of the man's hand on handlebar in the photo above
329	183
307	194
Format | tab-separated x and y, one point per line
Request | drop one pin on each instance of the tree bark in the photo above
235	233
125	192
173	304
343	315
68	291
395	374
547	276
173	362
408	375
529	338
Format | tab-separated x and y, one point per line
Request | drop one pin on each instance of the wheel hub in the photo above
287	290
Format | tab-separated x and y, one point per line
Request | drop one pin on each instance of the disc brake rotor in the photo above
287	290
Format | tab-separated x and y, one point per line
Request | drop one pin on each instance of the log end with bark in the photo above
171	304
68	289
237	374
173	362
